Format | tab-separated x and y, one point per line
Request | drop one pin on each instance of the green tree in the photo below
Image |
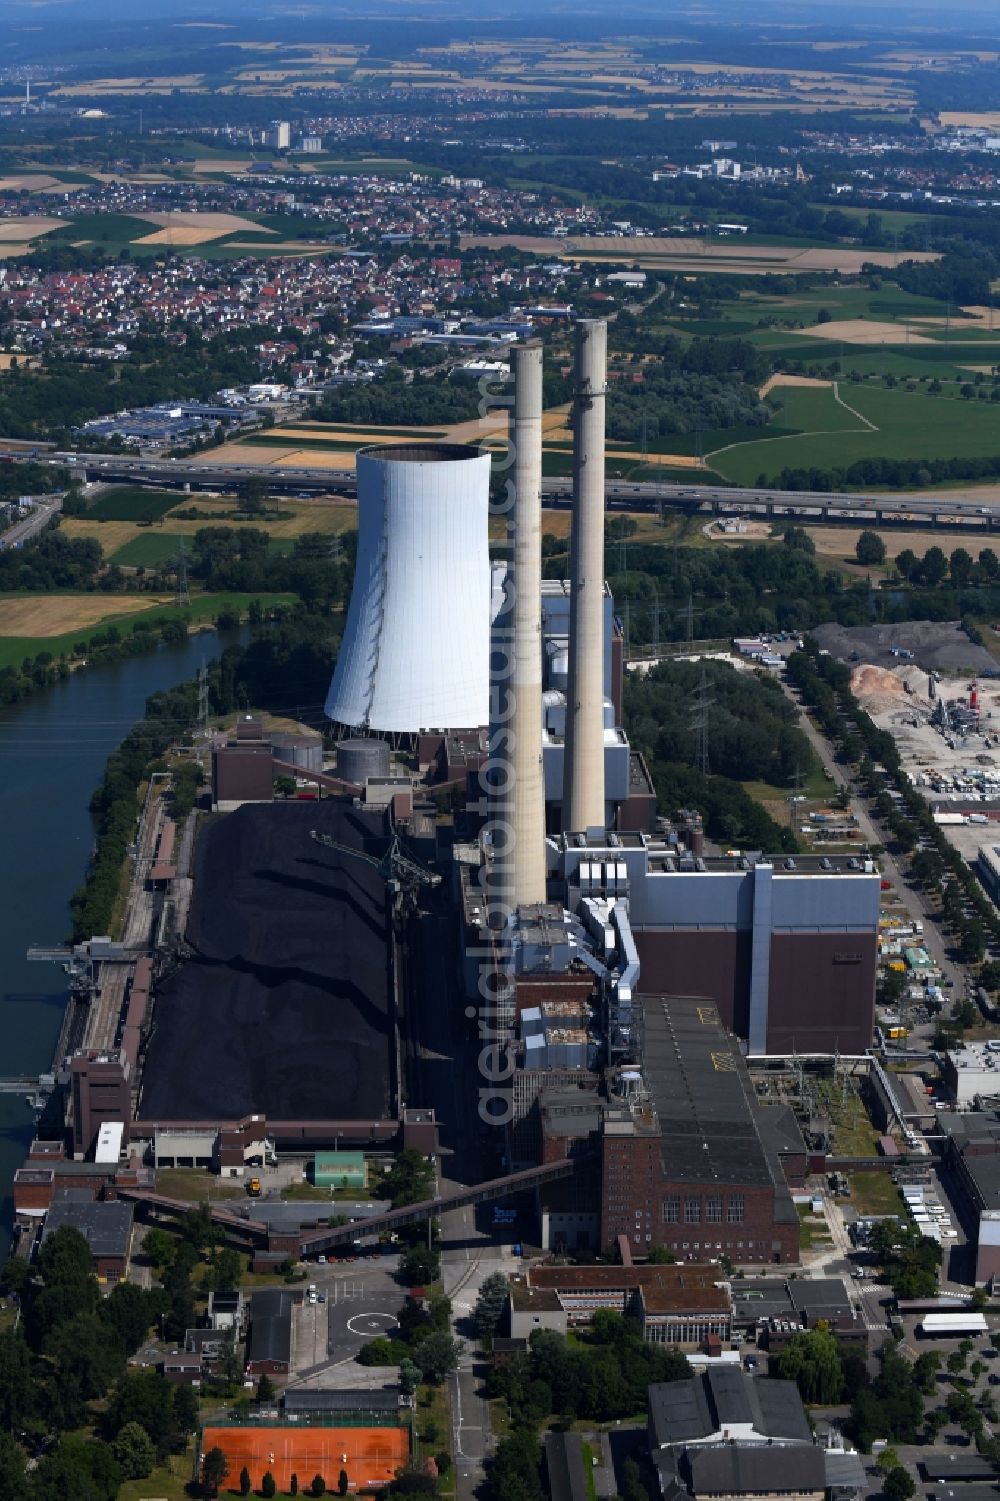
343	1484
490	1304
214	1470
437	1356
933	567
869	548
410	1180
135	1451
267	1485
11	1467
246	1484
265	1389
317	1486
420	1266
812	1360
898	1485
158	1246
888	1459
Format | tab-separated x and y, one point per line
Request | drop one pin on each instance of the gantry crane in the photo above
402	874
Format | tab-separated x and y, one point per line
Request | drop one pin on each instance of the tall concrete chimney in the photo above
526	667
583	773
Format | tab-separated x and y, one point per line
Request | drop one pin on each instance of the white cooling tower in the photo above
416	648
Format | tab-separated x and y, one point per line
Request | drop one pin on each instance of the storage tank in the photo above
361	757
416	648
304	751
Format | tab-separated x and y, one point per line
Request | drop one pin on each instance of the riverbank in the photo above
54	748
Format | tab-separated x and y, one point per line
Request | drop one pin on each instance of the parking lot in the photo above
354	1303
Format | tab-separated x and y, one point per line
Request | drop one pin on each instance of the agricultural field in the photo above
690	254
44	615
120	611
131	503
149	545
843	422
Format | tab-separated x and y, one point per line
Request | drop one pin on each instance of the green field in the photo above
132	503
904	425
152	549
202	610
112	229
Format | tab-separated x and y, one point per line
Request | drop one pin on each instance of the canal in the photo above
53	749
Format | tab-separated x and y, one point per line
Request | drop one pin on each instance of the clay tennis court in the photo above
371	1456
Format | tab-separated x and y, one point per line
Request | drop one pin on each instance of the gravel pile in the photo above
940	646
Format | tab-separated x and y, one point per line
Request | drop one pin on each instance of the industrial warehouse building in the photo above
742	932
725	1433
972	1151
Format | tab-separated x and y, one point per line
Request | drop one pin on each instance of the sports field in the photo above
371	1456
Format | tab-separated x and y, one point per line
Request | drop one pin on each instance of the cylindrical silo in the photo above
303	751
583	775
362	757
416	649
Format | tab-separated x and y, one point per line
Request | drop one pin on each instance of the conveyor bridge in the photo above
313	1242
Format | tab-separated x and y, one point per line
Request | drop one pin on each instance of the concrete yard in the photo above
284	1008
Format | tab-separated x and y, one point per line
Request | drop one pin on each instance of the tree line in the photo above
601	1376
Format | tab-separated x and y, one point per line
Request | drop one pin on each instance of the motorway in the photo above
31	524
852	509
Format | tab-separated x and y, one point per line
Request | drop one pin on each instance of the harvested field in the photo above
17	231
31	182
692	254
780	379
285	247
181	235
55	614
863	331
285	1006
989	119
197	227
329	516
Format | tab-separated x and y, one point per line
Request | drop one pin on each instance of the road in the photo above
854	509
892	870
38	518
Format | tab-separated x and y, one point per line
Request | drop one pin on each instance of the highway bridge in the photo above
806	505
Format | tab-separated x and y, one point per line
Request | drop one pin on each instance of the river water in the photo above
53	749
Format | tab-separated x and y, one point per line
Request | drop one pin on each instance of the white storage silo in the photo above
416	649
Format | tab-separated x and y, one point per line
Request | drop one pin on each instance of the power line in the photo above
703	702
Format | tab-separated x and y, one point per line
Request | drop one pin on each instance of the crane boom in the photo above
393	866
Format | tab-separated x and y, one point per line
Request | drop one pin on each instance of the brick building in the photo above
677	1155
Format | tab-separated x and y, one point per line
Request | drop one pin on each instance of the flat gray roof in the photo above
106	1227
703	1095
